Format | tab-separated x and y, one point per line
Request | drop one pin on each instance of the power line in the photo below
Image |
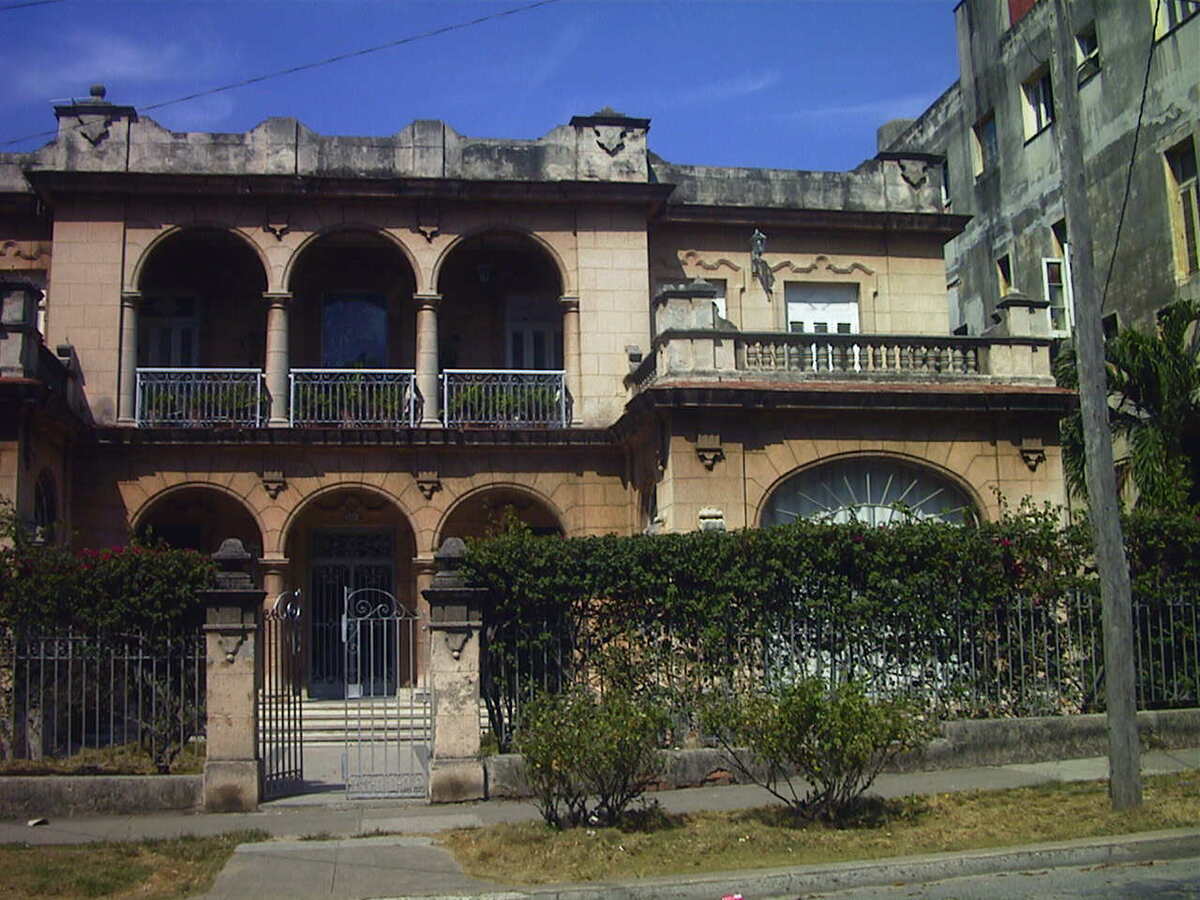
1137	130
9	6
304	67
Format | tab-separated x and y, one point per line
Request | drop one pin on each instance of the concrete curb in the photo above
759	884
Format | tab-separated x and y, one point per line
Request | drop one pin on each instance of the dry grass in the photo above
126	759
179	867
712	842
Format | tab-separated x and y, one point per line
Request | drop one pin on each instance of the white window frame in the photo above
1170	14
1068	301
983	151
831	313
1037	94
1185	211
1087	52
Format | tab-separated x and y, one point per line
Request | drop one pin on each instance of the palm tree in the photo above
1154	409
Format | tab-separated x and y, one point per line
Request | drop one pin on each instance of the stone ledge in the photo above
25	796
964	743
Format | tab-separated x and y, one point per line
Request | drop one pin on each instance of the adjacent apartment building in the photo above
344	350
1137	63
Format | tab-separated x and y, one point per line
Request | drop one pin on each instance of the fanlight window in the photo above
871	491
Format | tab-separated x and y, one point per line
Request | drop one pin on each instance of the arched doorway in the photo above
199	518
345	541
500	341
874	490
352	332
486	511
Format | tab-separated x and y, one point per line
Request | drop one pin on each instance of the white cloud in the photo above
899	107
564	46
723	89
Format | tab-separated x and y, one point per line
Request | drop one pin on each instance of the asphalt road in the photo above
1160	880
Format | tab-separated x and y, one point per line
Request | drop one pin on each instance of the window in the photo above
815	307
1058	294
985	150
1039	103
947	199
534	334
1181	163
169	332
45	507
1004	275
1087	53
1170	14
354	329
1111	325
719	300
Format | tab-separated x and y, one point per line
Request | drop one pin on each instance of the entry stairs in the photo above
405	717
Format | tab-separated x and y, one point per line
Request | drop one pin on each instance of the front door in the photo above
342	560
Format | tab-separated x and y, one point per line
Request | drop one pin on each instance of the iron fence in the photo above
1019	659
196	398
66	692
505	398
353	397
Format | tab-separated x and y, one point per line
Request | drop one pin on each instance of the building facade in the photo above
994	126
344	350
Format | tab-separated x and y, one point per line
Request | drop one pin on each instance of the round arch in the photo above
480	509
566	283
289	269
168	234
870	487
199	515
312	499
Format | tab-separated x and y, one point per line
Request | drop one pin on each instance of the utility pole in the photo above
1124	769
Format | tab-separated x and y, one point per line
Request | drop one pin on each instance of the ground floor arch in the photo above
486	510
198	517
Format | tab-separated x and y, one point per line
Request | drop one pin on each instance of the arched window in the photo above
45	506
871	490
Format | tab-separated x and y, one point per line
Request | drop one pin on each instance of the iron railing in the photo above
353	398
196	398
66	692
497	398
1023	658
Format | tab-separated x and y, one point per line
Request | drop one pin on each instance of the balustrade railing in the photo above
495	398
858	353
192	398
353	398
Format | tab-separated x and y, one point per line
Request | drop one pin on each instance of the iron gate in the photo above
388	708
280	730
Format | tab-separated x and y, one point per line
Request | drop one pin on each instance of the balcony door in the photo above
169	332
534	334
354	330
821	308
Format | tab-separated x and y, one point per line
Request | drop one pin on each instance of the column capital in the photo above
131	298
273	297
569	303
274	563
427	300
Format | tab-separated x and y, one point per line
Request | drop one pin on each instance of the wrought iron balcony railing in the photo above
498	398
353	398
194	398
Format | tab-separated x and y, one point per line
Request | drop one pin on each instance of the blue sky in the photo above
781	83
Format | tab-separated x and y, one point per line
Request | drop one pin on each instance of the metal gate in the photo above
280	706
388	708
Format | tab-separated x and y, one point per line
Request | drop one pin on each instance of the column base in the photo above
231	785
279	423
456	780
430	423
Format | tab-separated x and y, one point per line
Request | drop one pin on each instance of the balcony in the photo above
200	398
354	398
783	358
508	398
350	398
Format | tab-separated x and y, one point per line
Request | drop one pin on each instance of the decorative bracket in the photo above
230	638
274	482
427	226
456	640
277	224
610	138
428	483
709	450
913	171
95	131
1032	452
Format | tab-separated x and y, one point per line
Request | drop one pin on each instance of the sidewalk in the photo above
412	866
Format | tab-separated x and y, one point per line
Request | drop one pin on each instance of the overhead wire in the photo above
329	60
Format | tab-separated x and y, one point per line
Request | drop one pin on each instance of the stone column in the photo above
277	364
427	359
424	568
232	769
572	355
455	623
127	397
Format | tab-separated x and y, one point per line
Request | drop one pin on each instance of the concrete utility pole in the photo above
1124	769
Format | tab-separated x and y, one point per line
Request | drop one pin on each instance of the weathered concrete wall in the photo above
89	795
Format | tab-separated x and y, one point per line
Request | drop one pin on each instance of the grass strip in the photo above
171	867
653	843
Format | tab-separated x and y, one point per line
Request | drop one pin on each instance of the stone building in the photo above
344	350
994	126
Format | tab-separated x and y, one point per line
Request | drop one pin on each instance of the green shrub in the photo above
836	739
588	757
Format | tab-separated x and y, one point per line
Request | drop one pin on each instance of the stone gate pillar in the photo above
232	769
455	623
